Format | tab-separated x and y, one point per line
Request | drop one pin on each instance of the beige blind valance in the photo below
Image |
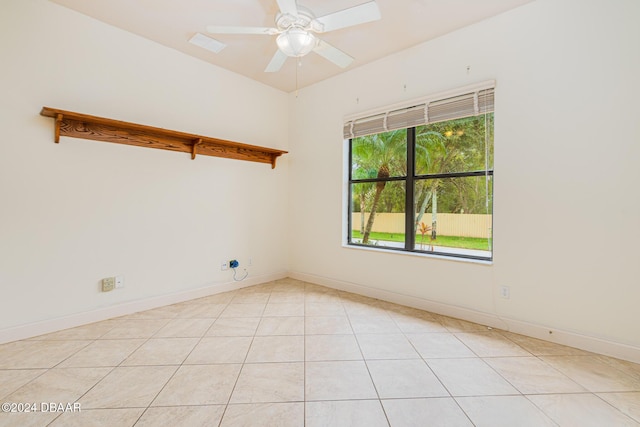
464	102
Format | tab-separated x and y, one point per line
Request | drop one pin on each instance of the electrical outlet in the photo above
119	282
224	265
505	292
108	284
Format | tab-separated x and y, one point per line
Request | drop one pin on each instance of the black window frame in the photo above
410	179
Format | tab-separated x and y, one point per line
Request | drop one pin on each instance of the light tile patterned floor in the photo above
289	353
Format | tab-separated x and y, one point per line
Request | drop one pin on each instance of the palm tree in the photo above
384	153
443	147
363	190
431	153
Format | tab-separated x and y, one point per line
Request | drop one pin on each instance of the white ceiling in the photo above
404	23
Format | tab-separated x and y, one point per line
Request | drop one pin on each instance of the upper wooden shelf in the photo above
84	126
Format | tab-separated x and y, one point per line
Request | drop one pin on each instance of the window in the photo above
421	176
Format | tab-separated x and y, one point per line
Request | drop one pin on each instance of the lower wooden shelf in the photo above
84	126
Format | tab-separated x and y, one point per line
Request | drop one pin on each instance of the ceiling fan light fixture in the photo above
296	42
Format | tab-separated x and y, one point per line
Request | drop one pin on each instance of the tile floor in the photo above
289	353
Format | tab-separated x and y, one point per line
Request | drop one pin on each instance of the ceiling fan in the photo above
296	27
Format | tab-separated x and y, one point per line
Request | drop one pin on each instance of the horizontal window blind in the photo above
447	106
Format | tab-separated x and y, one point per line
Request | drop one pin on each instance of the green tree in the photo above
452	146
443	147
362	195
384	153
430	154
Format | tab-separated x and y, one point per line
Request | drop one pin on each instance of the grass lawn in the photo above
449	241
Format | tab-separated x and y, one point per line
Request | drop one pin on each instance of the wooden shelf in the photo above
78	125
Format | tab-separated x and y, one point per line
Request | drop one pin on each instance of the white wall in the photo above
567	144
75	212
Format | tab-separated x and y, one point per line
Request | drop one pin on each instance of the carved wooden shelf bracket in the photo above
84	126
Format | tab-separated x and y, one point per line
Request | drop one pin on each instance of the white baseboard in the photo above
568	338
52	325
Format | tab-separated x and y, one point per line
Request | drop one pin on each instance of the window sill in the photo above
419	254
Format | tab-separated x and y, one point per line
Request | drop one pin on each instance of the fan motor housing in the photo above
304	19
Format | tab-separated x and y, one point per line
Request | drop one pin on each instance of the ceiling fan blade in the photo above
365	12
207	42
288	6
220	29
277	62
333	54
